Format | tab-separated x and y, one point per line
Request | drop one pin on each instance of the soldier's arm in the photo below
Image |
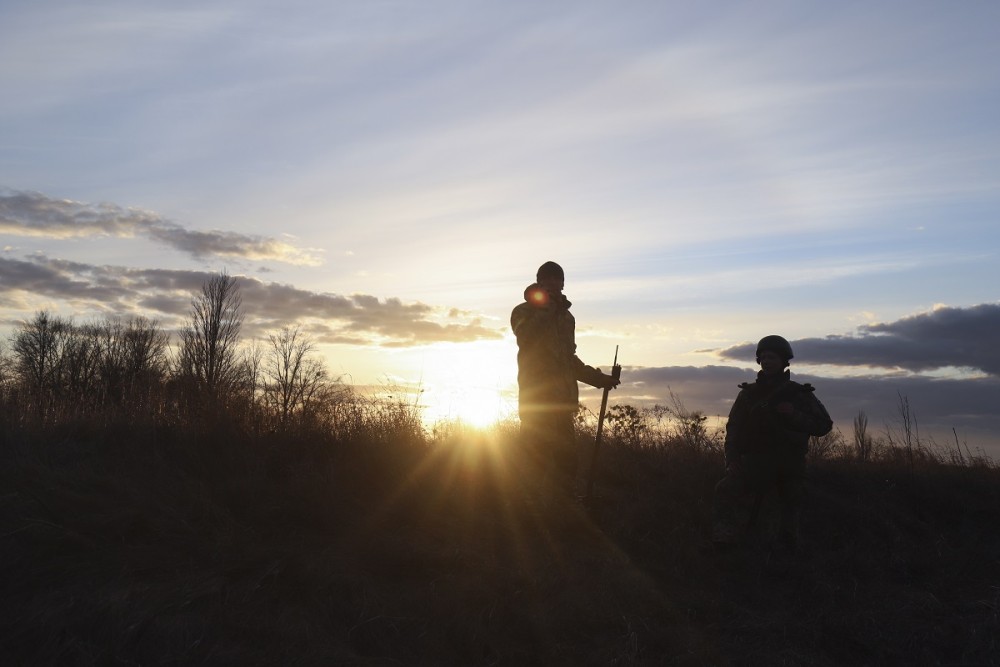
734	429
592	376
809	415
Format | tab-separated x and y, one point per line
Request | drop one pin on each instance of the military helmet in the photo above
775	344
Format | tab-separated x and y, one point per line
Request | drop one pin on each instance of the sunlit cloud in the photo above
357	319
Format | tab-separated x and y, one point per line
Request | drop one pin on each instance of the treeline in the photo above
54	371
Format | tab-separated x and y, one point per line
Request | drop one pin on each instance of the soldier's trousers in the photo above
739	495
550	438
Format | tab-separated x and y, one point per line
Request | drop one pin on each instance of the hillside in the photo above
145	545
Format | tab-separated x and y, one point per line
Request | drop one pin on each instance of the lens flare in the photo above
538	296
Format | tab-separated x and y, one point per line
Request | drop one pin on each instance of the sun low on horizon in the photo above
471	383
478	407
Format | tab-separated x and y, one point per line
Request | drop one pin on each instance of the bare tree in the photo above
208	355
78	367
5	363
6	374
133	359
292	377
248	390
252	362
38	350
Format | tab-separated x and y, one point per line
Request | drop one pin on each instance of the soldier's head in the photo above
550	277
773	354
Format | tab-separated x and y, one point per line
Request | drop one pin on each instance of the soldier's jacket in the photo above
756	427
547	366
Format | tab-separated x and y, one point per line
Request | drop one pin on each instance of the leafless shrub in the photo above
829	446
905	434
689	427
659	426
668	426
862	439
627	425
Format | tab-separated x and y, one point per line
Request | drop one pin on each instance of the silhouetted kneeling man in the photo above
547	373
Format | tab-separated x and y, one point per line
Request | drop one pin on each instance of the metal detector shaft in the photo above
616	373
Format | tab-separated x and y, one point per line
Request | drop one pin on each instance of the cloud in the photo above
942	338
229	244
386	322
34	214
358	319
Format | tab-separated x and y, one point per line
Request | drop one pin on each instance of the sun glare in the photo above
474	406
473	383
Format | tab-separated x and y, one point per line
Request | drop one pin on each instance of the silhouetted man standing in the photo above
547	373
766	440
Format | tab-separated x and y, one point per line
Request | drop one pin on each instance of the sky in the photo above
388	175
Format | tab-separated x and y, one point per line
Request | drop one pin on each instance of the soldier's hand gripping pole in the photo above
616	373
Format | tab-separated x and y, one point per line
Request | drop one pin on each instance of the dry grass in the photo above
376	543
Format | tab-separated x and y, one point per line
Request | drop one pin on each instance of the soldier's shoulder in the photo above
520	313
804	387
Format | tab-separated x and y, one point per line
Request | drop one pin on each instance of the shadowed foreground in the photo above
154	546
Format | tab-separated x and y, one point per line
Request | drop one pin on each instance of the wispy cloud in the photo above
37	215
163	294
79	53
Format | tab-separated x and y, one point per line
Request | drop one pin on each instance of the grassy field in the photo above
142	544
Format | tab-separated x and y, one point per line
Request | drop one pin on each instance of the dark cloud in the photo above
34	214
53	279
710	389
166	295
942	338
937	405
